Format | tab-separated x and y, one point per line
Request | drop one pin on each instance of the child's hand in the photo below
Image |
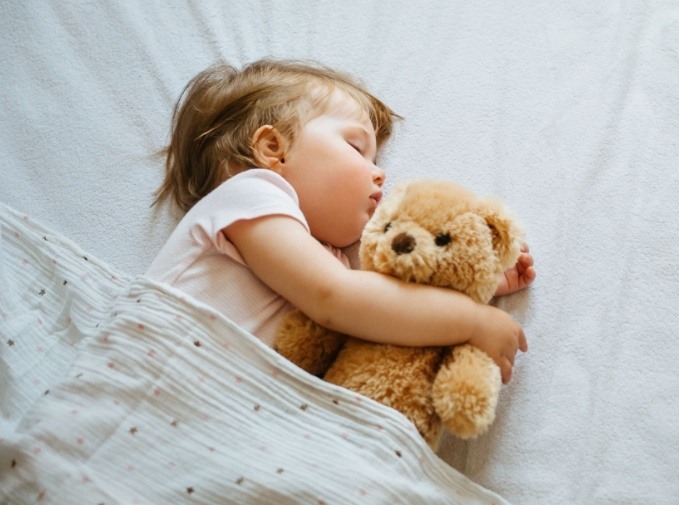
498	335
518	277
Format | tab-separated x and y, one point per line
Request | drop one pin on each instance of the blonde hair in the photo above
220	109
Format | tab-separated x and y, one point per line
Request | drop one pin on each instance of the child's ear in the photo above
268	147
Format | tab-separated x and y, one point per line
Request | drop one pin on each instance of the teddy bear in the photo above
429	232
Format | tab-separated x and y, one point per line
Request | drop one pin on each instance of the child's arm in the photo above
366	304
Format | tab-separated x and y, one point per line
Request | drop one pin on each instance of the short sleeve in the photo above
248	195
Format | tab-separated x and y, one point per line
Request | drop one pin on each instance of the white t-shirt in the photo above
199	260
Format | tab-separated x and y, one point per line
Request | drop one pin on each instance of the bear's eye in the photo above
386	227
442	239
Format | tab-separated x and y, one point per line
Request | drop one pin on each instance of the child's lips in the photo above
377	197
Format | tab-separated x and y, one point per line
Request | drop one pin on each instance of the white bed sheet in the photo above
568	110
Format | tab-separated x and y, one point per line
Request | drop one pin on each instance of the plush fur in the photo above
429	232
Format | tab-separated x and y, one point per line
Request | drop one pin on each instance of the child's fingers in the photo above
523	343
526	277
530	273
526	272
506	371
524	263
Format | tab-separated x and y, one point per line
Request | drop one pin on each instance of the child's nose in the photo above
379	176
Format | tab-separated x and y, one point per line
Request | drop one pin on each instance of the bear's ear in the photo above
506	234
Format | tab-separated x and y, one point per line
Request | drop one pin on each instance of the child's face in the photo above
332	168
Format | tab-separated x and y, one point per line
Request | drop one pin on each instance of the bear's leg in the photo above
307	344
399	377
466	390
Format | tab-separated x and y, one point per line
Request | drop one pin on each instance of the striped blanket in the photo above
118	390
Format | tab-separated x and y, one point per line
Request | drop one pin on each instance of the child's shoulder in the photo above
247	195
254	180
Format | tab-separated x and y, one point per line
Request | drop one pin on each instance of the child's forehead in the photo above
341	104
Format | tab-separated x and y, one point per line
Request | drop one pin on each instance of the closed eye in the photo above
357	148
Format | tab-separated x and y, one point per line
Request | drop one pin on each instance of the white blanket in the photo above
566	109
115	390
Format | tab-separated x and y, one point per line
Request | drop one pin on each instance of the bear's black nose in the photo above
403	243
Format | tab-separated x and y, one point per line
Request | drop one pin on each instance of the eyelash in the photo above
356	148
